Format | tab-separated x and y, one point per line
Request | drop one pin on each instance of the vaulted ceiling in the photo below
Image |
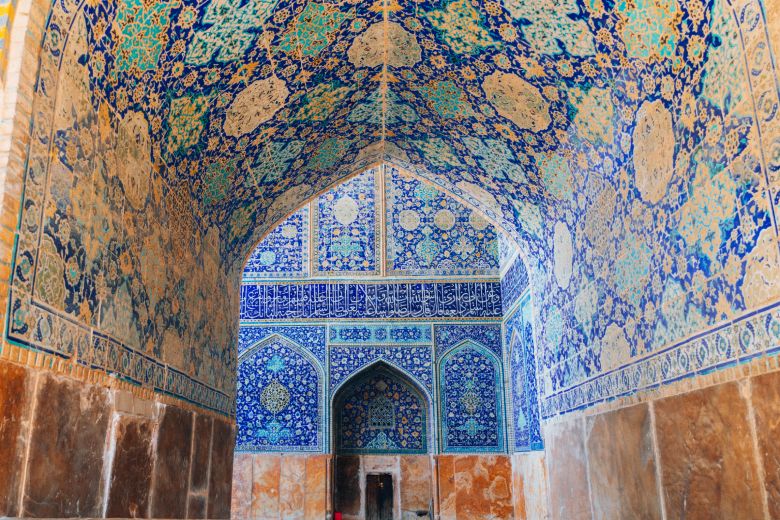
259	104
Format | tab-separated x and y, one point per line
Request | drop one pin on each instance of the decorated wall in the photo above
393	292
114	268
629	148
382	223
380	412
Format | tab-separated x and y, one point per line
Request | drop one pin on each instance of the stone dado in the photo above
71	449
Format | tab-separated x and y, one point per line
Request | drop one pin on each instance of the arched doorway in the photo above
381	432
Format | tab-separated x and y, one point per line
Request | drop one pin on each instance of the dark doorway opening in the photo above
379	497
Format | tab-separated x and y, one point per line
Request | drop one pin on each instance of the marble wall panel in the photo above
16	398
266	472
415	484
529	485
201	451
483	485
221	468
241	498
567	466
273	486
316	499
67	442
174	443
622	465
445	470
131	475
708	466
292	487
766	408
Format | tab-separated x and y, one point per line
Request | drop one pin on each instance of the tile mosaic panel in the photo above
355	300
471	415
521	378
361	333
380	413
309	337
629	149
346	234
279	399
429	233
284	253
450	335
723	346
416	362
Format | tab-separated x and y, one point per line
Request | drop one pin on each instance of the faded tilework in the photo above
471	400
513	282
429	233
309	337
115	268
449	335
380	413
628	146
345	231
279	399
284	253
521	378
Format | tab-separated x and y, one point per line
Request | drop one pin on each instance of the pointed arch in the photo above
397	390
522	395
280	398
471	400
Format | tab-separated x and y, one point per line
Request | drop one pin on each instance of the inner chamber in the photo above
372	357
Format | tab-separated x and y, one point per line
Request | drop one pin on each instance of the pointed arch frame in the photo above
382	365
500	399
321	387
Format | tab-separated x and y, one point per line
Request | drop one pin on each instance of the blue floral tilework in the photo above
279	399
345	228
522	378
284	252
470	393
310	337
360	333
415	361
450	335
429	233
380	413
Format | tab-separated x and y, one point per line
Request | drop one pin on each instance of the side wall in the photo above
708	453
69	449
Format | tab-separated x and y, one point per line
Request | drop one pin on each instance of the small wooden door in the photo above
379	497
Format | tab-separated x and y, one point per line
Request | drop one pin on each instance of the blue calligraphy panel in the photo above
352	300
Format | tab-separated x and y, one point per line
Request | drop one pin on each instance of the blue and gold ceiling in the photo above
261	103
629	146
